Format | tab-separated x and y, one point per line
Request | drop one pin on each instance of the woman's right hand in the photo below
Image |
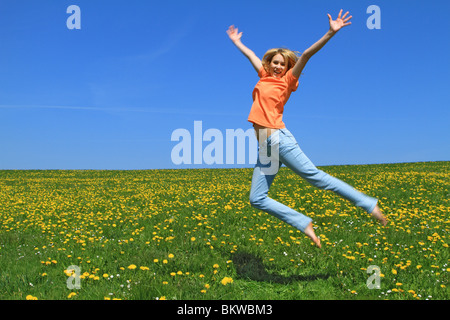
234	34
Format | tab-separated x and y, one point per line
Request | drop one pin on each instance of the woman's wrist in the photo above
331	32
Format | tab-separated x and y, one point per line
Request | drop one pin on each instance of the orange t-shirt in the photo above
269	97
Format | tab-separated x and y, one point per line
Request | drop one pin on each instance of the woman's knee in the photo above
318	178
256	200
253	200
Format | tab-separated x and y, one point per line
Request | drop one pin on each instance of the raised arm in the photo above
335	26
235	37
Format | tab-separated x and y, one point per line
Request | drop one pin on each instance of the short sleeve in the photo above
291	80
262	72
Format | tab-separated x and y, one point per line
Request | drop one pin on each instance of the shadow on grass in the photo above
251	267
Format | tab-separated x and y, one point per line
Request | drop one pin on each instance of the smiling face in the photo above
278	61
277	67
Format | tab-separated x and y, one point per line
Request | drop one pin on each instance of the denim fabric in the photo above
282	148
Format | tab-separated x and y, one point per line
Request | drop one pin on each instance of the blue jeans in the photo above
281	147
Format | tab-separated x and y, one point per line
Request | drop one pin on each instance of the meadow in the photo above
192	234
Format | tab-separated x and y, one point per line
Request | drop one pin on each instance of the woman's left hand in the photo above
336	25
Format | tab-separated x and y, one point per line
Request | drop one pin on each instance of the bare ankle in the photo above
309	231
377	214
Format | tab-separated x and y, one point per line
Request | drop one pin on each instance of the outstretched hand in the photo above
235	37
340	22
234	34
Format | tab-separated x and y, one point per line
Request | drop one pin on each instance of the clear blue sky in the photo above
109	96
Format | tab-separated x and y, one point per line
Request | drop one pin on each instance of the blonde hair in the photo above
290	57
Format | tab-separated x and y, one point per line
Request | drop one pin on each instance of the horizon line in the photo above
212	167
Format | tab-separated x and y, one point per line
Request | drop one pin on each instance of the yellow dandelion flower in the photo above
30	297
171	256
71	295
226	280
132	266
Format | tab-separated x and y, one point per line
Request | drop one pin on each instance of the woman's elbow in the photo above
306	55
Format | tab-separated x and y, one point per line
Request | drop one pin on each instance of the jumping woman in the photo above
279	72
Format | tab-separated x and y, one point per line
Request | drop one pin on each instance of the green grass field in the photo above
191	234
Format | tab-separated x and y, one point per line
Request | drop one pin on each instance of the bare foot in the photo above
377	214
309	231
